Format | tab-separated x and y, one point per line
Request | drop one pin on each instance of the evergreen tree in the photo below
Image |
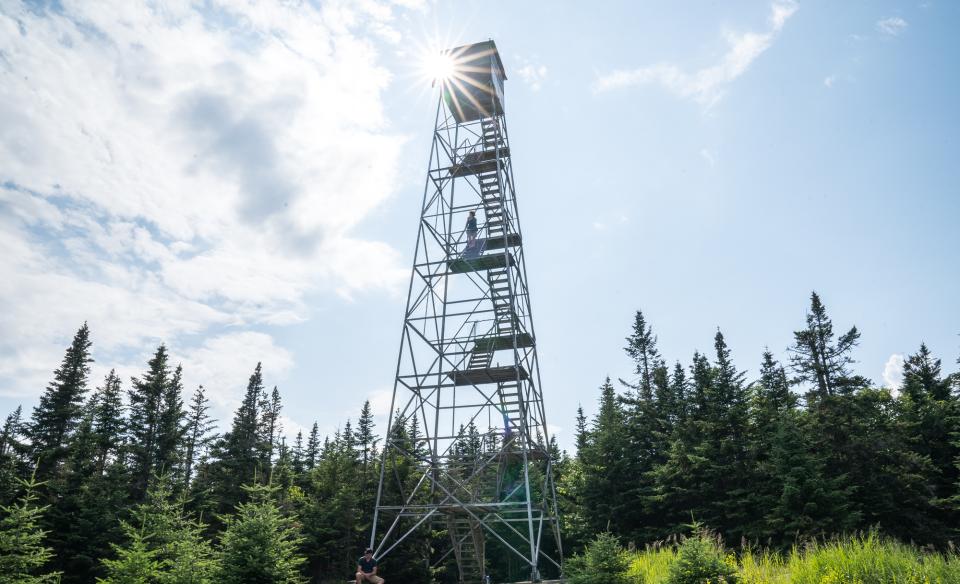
147	405
817	359
109	423
259	543
171	428
605	464
23	554
642	348
198	435
582	433
313	447
931	418
163	543
297	455
239	452
808	501
270	428
12	455
58	413
647	425
136	562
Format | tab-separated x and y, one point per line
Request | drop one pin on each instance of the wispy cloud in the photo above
707	85
171	172
533	74
892	26
709	157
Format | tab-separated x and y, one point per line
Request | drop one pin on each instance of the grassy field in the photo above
867	559
862	560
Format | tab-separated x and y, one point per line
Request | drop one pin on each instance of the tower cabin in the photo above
475	89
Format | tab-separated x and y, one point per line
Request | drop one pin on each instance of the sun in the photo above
438	66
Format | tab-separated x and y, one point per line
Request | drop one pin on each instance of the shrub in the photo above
701	560
603	562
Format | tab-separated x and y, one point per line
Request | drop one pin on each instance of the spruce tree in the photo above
930	418
147	396
259	543
297	454
171	426
818	360
606	464
582	433
164	544
198	432
313	447
57	415
12	455
109	423
23	554
269	427
647	425
239	452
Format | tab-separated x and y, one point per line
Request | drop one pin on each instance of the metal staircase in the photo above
466	536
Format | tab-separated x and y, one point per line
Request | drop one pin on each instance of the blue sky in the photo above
241	181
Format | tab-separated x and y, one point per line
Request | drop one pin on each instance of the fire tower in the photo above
467	373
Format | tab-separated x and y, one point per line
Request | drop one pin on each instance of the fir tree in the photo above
23	554
12	455
259	543
313	447
297	454
58	413
109	423
239	452
582	433
163	543
818	360
197	437
605	463
171	428
270	428
147	396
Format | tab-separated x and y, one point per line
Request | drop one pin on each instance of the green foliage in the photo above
603	561
260	544
23	554
136	562
701	559
57	415
164	544
751	458
868	559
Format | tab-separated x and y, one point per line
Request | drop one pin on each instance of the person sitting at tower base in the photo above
367	569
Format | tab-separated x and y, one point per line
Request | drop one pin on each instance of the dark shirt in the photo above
472	224
366	566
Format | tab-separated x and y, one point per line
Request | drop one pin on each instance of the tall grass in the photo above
866	559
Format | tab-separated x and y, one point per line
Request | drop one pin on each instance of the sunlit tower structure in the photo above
467	371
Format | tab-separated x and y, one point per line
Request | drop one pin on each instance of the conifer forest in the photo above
131	480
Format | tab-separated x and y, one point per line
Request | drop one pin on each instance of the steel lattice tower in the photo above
467	371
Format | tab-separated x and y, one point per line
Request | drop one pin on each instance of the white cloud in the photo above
892	26
893	372
380	402
167	170
708	85
533	74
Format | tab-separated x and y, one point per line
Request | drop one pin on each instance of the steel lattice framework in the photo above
467	370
